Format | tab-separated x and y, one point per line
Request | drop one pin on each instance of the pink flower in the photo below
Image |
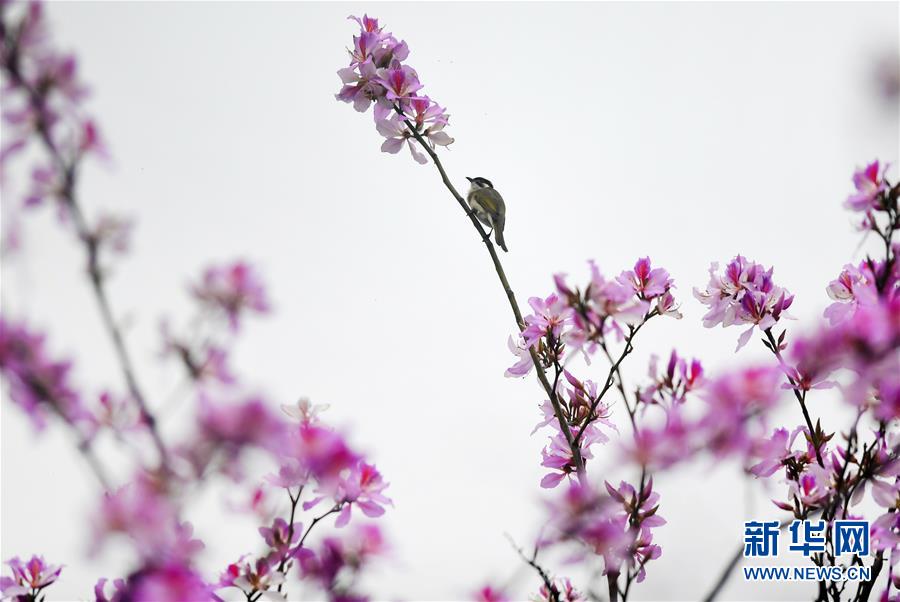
259	576
647	282
610	298
429	119
364	487
869	183
549	319
558	454
813	487
772	451
33	575
399	82
524	364
233	289
743	294
856	286
397	133
281	536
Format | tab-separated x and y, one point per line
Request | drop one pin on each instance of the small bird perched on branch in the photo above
488	206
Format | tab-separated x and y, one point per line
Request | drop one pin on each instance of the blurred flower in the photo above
489	593
363	487
869	183
233	289
37	383
565	592
156	582
281	536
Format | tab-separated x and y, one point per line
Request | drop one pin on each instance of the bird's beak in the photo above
468	178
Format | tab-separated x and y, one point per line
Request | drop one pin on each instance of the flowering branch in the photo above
510	296
67	169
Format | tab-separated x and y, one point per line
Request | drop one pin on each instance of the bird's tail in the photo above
498	234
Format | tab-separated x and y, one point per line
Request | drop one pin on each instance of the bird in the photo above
488	206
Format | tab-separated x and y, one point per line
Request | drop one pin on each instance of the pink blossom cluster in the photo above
38	384
743	294
377	75
42	98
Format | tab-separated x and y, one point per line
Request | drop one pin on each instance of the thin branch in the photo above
67	194
801	397
510	296
552	591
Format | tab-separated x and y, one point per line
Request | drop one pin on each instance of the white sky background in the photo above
687	132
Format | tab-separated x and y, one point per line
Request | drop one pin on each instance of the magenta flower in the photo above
647	282
429	119
524	364
399	82
233	289
550	317
396	133
612	299
869	183
361	89
377	74
281	536
28	577
773	451
259	576
813	487
743	294
558	455
854	286
363	487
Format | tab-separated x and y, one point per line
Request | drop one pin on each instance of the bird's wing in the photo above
491	200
